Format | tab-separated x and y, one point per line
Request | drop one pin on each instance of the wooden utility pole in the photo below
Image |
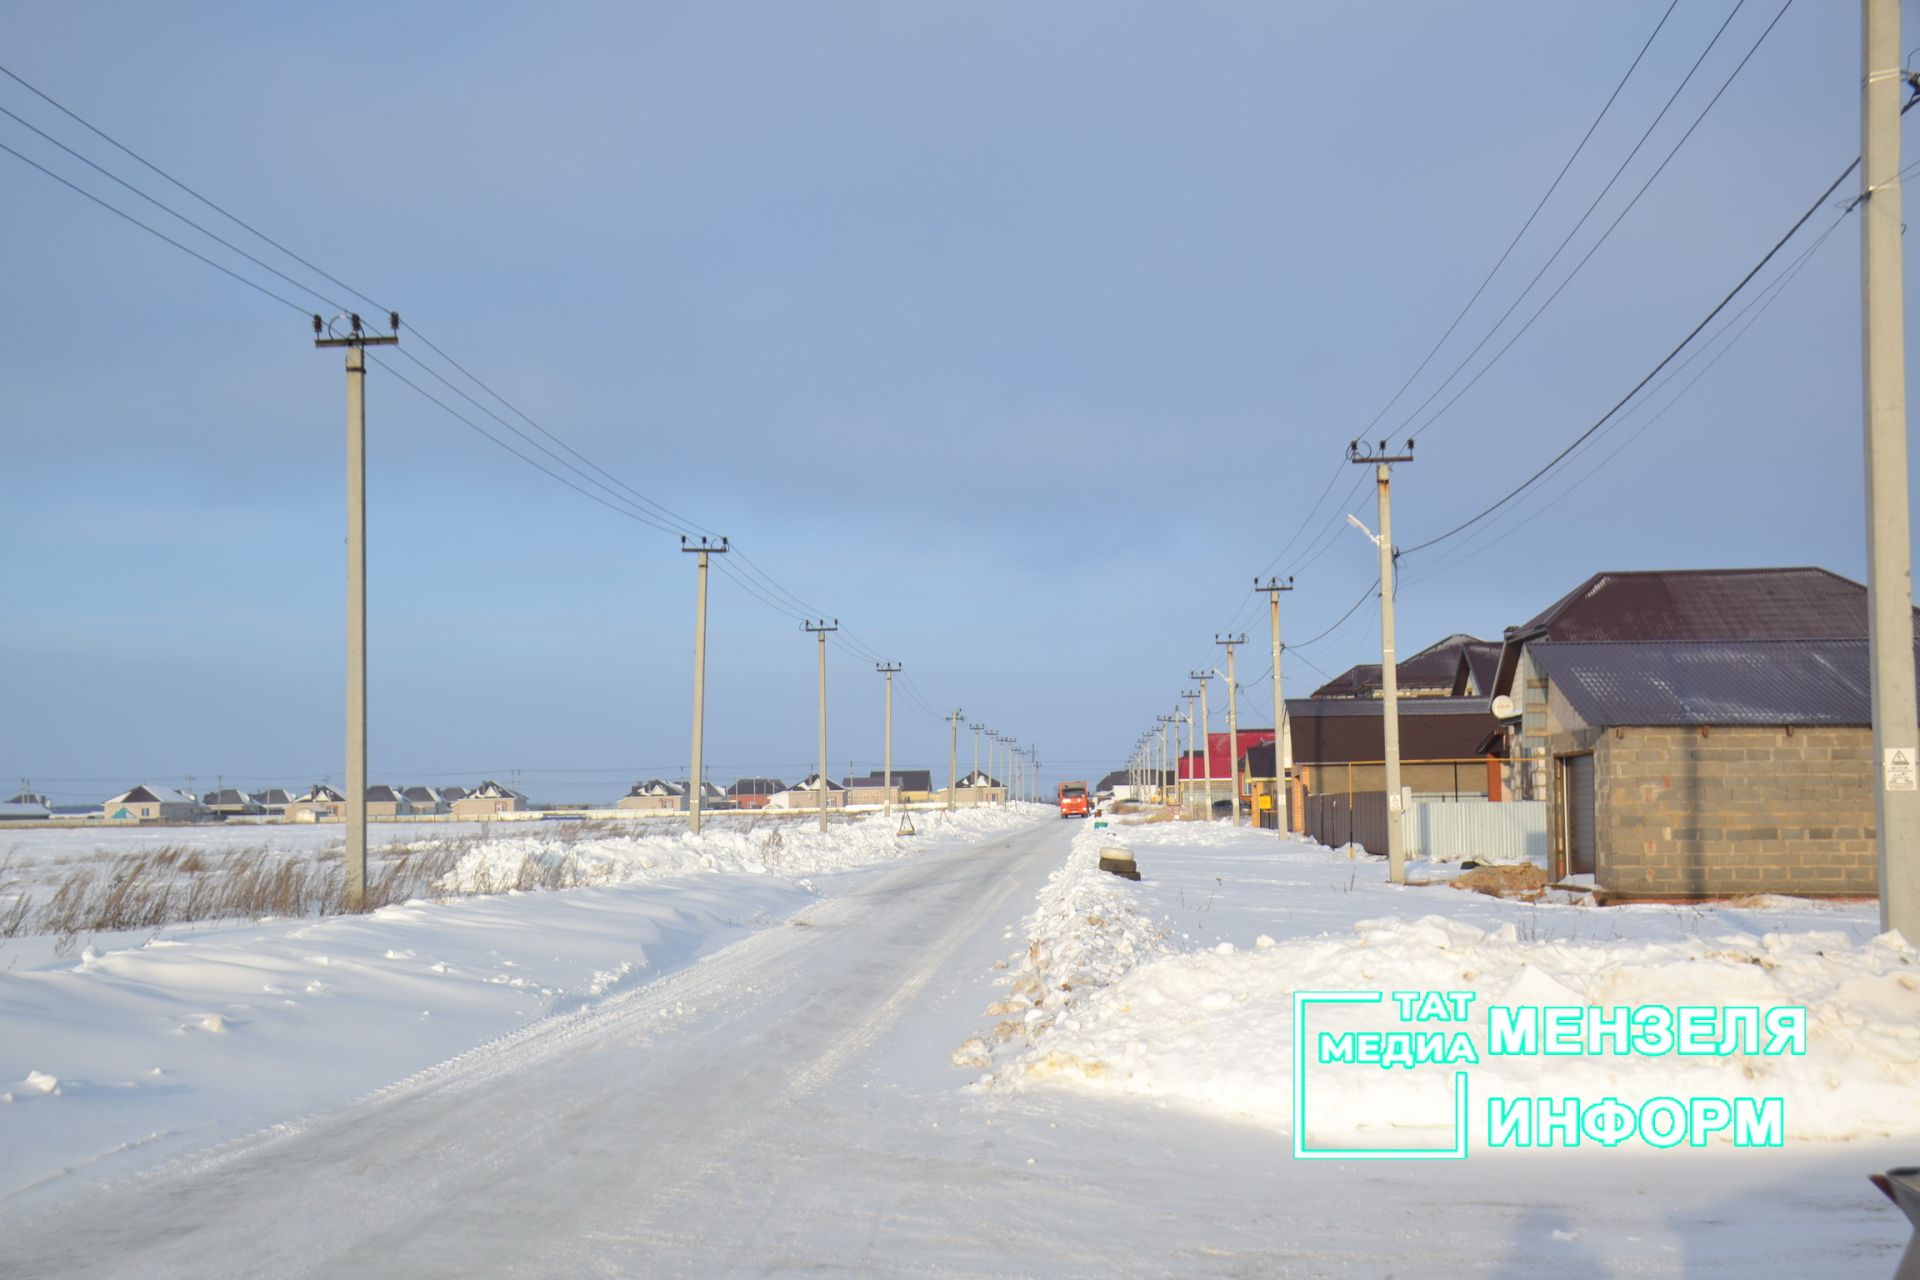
356	342
703	549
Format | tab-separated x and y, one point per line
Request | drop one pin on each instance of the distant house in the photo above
273	800
1430	673
978	787
230	802
655	795
24	811
32	798
424	800
909	786
146	803
488	799
1214	759
321	803
451	794
753	793
806	794
386	802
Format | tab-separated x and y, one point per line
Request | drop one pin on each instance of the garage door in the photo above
1578	775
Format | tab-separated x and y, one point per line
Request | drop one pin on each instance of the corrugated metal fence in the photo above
1484	830
1337	820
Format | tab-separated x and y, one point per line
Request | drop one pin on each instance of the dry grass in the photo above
179	884
1523	880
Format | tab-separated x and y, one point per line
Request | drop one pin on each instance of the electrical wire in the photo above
1621	403
1618	218
1531	218
1568	239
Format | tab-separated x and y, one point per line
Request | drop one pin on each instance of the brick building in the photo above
1704	768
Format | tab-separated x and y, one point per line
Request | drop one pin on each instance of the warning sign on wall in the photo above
1898	769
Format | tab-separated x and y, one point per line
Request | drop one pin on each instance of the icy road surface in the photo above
786	1106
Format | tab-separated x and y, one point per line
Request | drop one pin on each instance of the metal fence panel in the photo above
1484	830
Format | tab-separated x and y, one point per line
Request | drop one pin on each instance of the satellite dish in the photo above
1503	707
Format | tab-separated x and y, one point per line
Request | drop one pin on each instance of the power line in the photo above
1527	225
1618	218
1651	374
621	497
154	231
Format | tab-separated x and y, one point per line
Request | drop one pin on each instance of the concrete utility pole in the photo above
356	342
1206	742
822	629
954	718
1166	759
1382	463
703	549
978	729
886	780
1896	736
1186	783
1233	723
1282	740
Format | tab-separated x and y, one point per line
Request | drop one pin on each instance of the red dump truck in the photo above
1074	800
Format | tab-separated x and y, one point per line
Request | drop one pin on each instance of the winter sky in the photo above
1017	337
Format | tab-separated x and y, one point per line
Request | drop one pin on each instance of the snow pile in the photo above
1106	1000
782	846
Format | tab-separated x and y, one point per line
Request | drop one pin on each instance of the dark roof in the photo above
421	794
453	793
1434	667
273	795
978	778
380	793
756	786
227	795
1763	682
1478	663
905	779
1118	777
1696	604
1355	682
1337	732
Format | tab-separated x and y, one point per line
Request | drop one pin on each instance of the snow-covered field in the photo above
149	1044
1180	988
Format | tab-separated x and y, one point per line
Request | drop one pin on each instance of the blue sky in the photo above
1019	338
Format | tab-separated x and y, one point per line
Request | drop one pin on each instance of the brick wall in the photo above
1736	810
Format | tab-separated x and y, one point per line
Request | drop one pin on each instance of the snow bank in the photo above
1108	998
782	846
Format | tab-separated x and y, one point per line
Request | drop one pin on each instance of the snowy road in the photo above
786	1106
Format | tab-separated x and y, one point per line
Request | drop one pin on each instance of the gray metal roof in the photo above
1711	682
